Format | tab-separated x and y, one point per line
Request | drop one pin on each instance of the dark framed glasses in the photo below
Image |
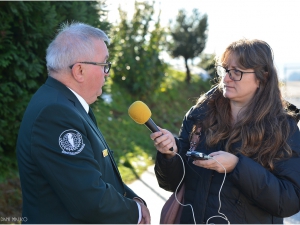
106	66
234	74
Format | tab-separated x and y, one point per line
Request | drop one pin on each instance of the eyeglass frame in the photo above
97	64
228	71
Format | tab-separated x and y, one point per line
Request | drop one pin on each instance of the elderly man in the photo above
67	170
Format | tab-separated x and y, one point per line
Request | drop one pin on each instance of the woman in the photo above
245	126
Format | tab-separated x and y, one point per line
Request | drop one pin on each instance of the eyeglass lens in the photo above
107	68
233	73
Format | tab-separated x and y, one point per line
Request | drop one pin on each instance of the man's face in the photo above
94	74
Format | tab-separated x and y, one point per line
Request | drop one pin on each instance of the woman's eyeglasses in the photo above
234	74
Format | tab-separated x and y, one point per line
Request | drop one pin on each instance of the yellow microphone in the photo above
141	114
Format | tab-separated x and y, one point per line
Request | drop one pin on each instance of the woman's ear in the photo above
77	72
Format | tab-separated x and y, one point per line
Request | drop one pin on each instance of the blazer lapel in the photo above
91	114
92	121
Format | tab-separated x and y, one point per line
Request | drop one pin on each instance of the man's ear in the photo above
77	72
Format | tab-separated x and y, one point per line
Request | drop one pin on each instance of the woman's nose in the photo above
227	77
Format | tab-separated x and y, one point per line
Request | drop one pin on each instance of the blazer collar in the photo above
71	96
63	89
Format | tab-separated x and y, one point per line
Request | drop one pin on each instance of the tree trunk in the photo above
188	74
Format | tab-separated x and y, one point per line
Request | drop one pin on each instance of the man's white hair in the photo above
73	42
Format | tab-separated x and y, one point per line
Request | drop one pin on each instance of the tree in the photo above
189	36
136	45
26	29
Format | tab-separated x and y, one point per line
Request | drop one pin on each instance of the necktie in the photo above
91	114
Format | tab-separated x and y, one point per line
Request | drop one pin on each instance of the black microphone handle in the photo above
151	125
153	128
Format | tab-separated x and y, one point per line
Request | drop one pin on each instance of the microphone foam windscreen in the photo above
139	112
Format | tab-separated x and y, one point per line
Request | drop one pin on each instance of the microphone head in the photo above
139	112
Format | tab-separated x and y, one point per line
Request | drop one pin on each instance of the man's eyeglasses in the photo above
234	74
106	65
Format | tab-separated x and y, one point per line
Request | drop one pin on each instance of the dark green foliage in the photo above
137	65
26	29
189	37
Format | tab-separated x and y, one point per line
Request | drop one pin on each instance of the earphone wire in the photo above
222	215
178	187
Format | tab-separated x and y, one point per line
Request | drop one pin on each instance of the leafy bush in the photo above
137	65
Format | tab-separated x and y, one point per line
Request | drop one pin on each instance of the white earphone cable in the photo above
178	187
221	214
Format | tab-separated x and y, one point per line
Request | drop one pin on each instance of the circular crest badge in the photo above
70	141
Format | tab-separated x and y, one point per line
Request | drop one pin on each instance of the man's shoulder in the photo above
51	92
47	103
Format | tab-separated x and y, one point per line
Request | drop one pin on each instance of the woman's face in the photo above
239	92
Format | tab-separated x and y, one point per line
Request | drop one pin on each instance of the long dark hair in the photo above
263	127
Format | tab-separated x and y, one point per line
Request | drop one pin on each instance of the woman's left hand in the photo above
227	159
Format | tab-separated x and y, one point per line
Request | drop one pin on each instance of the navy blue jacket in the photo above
67	170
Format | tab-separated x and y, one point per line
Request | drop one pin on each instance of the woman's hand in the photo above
164	141
227	159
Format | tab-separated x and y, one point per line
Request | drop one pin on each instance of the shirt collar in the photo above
82	101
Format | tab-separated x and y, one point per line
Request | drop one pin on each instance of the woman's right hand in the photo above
164	141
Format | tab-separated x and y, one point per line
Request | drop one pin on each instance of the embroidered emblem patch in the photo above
70	141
